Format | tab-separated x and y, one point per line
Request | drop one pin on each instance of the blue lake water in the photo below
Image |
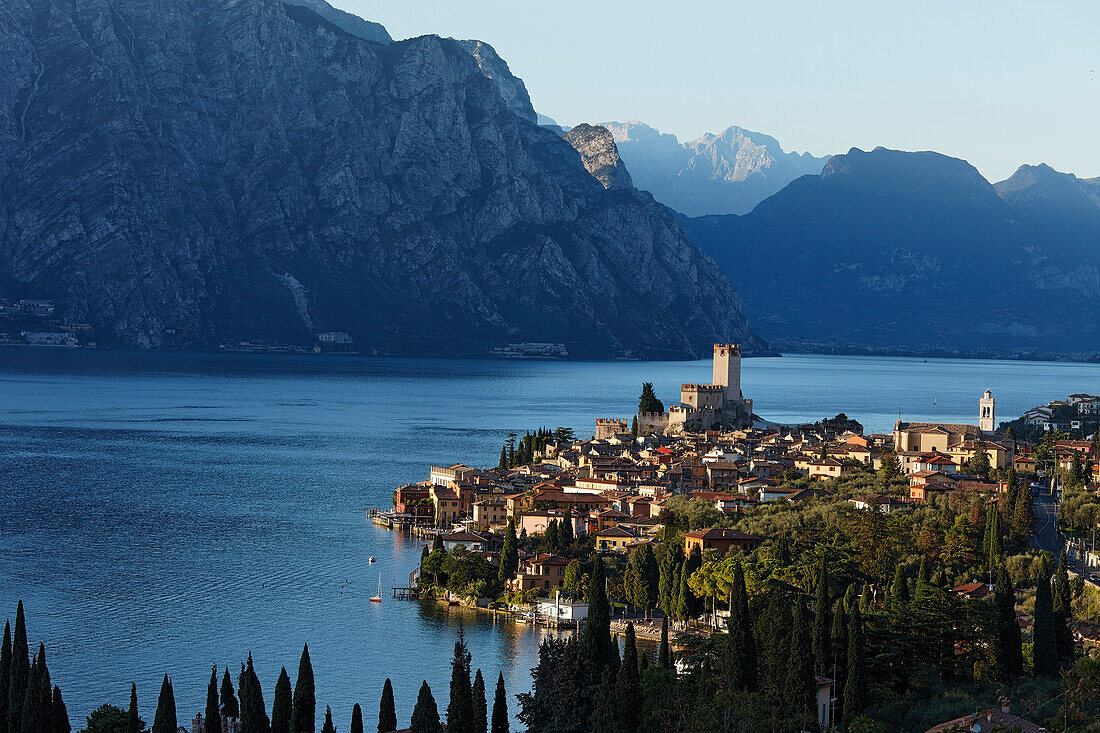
166	512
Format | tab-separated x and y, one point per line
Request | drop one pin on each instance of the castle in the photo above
706	406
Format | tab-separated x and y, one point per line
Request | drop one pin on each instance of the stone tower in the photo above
727	370
987	413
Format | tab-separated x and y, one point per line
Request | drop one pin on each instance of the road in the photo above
1046	533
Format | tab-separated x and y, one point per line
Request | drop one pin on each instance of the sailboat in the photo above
378	598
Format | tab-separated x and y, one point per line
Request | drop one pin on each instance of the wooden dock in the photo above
405	594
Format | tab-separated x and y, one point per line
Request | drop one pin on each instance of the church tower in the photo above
987	417
727	370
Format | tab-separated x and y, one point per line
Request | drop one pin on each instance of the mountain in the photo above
599	155
915	252
729	173
189	173
511	88
353	24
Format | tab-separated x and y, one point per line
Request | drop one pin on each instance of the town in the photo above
672	499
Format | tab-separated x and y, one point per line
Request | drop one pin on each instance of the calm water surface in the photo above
166	512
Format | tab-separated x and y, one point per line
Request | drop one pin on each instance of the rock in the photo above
599	155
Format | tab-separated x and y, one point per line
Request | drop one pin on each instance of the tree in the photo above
738	661
164	720
565	528
890	468
357	719
978	463
107	719
387	710
460	709
20	672
481	712
425	718
503	463
991	543
135	724
648	402
230	707
668	583
574	580
303	712
328	727
664	652
899	589
1063	613
60	713
634	426
801	685
212	719
281	705
605	715
645	577
597	645
855	678
500	707
627	684
1008	650
1023	517
821	647
253	711
1045	651
5	677
509	554
838	640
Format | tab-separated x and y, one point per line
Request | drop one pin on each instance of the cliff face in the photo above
599	155
195	172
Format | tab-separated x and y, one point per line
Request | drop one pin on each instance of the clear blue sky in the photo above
996	83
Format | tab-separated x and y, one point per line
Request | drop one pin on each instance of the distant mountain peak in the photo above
600	155
510	86
347	22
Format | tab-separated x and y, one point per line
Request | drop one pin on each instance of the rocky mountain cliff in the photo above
198	172
916	251
728	173
599	155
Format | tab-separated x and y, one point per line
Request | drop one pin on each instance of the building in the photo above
987	407
609	427
706	406
613	539
719	539
488	512
563	611
987	721
542	571
465	541
446	475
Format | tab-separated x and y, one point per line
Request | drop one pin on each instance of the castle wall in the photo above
610	427
652	422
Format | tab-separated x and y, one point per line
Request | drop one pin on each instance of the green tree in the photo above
425	717
565	528
1023	517
1045	650
328	727
855	678
821	646
281	705
899	589
509	554
387	710
1063	612
978	464
627	684
664	652
212	719
253	711
574	580
648	402
303	712
668	583
634	426
597	645
481	711
20	672
356	719
503	463
230	707
5	677
992	548
500	707
134	722
801	685
460	709
1008	649
37	710
605	713
646	576
838	640
107	719
164	720
739	662
890	468
60	713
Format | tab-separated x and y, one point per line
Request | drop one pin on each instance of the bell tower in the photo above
987	413
727	370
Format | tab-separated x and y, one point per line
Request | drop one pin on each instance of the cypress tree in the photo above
1045	653
503	463
509	554
20	672
866	599
253	711
164	720
328	727
899	589
425	718
460	708
44	703
356	719
500	707
1023	516
230	707
387	710
681	608
596	643
5	677
627	684
643	664
566	533
61	714
212	720
1008	650
552	534
838	640
437	543
30	719
855	683
667	583
605	715
664	656
1063	612
801	687
303	712
481	708
634	426
739	659
281	704
133	719
821	647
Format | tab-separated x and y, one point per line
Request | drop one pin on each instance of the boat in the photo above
371	560
378	598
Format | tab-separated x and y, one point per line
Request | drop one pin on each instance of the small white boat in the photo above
378	598
371	560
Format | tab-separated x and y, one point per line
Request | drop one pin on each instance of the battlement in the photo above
701	387
728	347
611	420
607	427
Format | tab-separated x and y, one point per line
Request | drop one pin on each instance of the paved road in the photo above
1046	534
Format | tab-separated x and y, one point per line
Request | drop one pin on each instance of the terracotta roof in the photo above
987	720
716	533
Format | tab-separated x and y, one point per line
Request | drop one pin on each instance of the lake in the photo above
163	512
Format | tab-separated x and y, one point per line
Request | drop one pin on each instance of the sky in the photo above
997	83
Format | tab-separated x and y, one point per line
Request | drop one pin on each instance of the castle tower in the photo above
727	370
987	413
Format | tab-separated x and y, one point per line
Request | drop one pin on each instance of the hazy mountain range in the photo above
728	173
197	172
917	251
